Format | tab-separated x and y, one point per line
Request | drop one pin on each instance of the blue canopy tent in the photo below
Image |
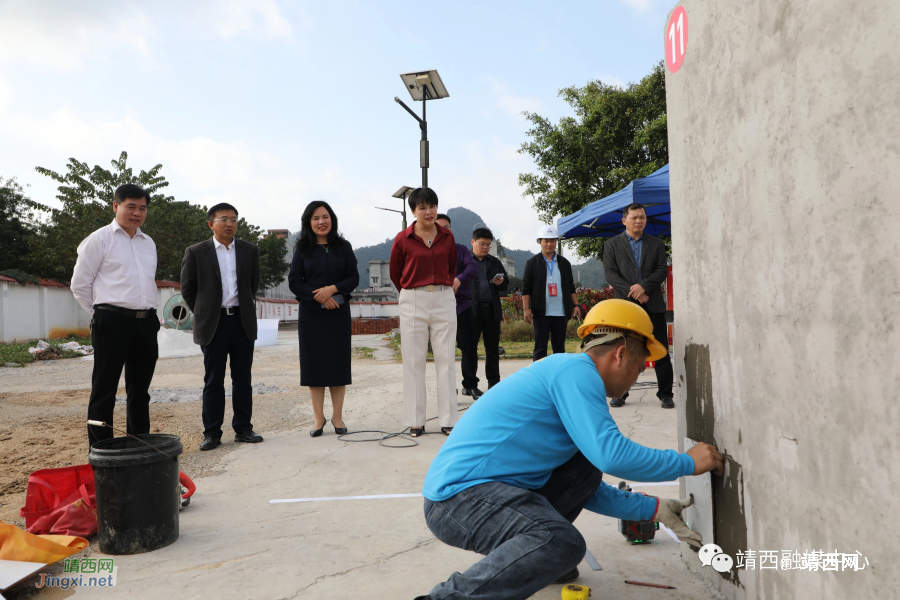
603	218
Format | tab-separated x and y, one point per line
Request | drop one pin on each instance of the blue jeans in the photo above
527	536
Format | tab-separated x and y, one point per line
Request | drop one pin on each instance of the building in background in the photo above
380	289
508	262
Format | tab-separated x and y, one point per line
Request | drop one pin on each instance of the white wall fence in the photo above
287	310
49	310
41	311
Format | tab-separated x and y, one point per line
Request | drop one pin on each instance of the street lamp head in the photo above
403	192
420	83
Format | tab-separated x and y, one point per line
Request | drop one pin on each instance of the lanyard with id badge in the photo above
551	286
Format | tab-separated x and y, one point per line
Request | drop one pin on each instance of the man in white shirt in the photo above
219	281
114	280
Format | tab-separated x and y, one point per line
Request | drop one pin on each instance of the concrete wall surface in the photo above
784	141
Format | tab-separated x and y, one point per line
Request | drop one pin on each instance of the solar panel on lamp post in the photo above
423	86
403	194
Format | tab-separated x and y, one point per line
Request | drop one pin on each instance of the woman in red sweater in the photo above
423	263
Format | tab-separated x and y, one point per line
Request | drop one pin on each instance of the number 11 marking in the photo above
680	34
677	36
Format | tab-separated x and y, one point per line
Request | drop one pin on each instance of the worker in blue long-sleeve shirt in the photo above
524	461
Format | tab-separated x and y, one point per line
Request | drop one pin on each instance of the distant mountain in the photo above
590	274
463	222
364	254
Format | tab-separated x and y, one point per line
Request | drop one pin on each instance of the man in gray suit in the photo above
219	281
635	265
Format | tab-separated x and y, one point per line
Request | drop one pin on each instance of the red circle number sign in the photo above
676	39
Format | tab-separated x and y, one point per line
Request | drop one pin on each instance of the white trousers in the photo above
422	314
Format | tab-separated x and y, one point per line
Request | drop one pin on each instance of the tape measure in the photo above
576	592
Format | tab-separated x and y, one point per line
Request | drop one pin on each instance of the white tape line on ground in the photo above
653	484
345	498
670	532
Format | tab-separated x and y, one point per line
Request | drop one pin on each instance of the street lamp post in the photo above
424	86
403	194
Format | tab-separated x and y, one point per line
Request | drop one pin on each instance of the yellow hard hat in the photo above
622	315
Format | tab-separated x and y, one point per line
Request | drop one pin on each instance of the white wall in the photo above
29	312
286	310
369	310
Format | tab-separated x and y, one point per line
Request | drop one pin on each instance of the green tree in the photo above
18	224
617	135
87	195
514	282
273	263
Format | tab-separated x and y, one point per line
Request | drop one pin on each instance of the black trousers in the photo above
468	345
489	329
121	341
664	372
548	328
229	341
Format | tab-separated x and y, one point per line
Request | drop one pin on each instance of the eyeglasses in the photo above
223	220
483	244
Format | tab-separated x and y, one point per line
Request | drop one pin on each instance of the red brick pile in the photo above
374	326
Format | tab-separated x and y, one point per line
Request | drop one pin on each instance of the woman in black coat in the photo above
323	274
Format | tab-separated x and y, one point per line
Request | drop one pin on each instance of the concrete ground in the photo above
235	544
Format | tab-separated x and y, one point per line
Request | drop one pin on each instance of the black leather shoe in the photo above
339	430
474	392
446	430
251	437
667	402
318	432
416	431
568	577
210	442
617	402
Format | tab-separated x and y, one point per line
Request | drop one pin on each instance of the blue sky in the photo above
269	104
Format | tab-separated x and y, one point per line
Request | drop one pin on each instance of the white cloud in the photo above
491	189
258	17
64	34
638	5
270	190
68	34
512	104
4	96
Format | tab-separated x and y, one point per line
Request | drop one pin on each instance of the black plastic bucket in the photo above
138	494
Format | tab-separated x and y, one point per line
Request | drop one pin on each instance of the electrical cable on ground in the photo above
387	435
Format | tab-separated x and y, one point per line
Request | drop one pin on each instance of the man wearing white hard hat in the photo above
548	294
